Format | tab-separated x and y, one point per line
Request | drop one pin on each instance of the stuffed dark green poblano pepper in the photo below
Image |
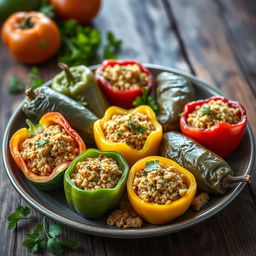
212	173
172	93
80	84
44	100
95	182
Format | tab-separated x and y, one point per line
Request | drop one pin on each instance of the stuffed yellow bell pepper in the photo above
159	189
134	133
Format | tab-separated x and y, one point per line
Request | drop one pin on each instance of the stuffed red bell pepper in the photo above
122	81
217	123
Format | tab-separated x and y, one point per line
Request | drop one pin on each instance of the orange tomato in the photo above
81	10
31	37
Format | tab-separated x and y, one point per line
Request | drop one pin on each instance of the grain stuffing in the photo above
212	113
44	151
200	201
159	184
96	173
132	129
125	217
128	77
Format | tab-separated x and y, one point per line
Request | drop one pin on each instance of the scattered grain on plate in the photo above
132	129
96	173
212	113
44	151
200	201
125	217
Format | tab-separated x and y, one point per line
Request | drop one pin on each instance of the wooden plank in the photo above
8	197
145	30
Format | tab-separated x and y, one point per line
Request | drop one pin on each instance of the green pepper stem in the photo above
228	179
30	93
69	76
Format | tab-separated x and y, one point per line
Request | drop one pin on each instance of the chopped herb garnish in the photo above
83	103
145	99
95	179
15	85
61	142
153	187
45	134
121	122
40	143
206	111
138	128
151	165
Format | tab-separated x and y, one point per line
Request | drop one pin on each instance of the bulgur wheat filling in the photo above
132	129
44	151
128	77
96	173
160	184
125	217
211	113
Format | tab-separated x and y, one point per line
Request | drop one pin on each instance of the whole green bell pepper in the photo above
7	7
80	84
95	203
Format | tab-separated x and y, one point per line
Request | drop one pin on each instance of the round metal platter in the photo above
53	203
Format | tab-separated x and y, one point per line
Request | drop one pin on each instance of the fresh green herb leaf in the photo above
153	187
121	122
206	111
83	103
138	128
113	45
20	213
34	80
145	99
15	86
95	179
54	230
55	246
79	44
151	165
41	237
40	143
47	9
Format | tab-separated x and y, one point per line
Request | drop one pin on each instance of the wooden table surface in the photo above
212	39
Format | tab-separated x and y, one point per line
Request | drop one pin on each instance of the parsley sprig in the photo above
145	99
206	111
43	237
20	213
151	165
81	44
34	81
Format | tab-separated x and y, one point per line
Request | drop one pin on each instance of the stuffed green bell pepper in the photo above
95	182
80	84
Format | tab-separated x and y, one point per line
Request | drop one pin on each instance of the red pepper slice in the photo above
120	98
222	138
